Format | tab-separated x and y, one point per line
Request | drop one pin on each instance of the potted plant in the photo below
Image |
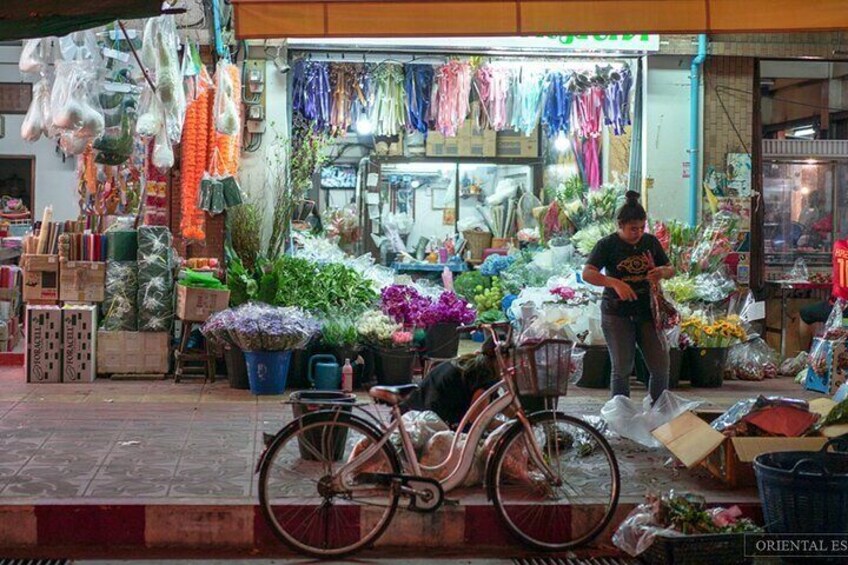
441	320
340	338
394	356
267	335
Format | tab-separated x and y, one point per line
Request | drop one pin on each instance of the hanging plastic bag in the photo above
834	328
163	153
225	109
211	188
72	104
34	55
151	117
34	124
799	272
160	55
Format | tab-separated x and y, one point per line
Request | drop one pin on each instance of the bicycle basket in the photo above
542	367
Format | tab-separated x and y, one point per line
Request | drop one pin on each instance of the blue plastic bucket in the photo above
267	371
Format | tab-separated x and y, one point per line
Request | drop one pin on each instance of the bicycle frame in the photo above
459	461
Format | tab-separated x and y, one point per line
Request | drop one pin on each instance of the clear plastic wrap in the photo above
834	328
714	286
633	421
793	365
225	110
753	360
163	153
421	427
438	449
73	106
156	279
260	327
34	55
160	56
120	306
799	272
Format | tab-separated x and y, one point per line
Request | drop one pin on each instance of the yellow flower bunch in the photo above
722	332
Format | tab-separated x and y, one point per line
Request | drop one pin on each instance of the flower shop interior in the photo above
210	207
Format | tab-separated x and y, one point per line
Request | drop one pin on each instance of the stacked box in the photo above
197	304
155	279
82	281
119	309
41	277
79	328
133	352
44	344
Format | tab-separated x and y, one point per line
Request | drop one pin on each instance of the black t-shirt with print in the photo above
629	263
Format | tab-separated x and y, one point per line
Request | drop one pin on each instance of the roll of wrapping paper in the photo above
156	279
120	307
122	245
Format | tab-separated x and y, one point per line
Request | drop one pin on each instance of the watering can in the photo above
324	372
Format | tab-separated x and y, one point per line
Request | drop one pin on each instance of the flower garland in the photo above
453	88
556	115
194	150
492	85
388	113
418	86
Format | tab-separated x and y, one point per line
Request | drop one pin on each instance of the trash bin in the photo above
706	366
267	371
308	401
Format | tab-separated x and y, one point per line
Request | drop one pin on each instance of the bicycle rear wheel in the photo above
566	510
301	501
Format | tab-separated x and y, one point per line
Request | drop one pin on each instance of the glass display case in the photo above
805	208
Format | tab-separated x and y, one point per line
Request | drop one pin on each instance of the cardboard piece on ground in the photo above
689	438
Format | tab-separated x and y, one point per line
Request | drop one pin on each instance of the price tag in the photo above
115	54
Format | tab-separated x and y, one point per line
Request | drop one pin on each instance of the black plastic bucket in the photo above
597	367
394	366
706	366
236	368
441	341
675	363
309	401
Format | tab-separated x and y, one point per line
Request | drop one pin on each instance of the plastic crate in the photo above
702	549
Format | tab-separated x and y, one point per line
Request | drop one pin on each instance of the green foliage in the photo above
242	284
468	285
339	331
331	288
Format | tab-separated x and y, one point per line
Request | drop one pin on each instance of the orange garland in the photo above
194	156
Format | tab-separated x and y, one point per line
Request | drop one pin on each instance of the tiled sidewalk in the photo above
165	442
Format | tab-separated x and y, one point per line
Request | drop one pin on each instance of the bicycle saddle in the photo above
391	395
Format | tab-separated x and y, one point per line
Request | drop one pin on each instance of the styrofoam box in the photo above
79	331
44	344
133	352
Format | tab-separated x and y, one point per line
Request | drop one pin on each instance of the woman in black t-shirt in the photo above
630	260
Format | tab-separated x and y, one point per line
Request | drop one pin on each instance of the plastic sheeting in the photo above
155	279
119	309
635	421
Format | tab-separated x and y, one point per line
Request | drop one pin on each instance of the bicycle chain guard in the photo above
425	494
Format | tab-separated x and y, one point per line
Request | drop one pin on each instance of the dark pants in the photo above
623	335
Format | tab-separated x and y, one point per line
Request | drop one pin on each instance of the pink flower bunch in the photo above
403	304
564	292
401	338
448	309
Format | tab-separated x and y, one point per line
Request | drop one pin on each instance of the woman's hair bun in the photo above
632	197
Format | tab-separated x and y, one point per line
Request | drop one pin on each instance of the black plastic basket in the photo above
805	492
700	549
543	368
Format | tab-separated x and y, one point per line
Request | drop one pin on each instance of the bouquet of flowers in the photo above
714	243
448	309
404	304
341	223
376	328
720	332
259	327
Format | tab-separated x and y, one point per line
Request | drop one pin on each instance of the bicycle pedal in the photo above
450	502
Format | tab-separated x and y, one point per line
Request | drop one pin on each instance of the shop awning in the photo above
265	19
23	19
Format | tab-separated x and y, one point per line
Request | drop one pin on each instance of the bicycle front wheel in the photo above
302	498
569	503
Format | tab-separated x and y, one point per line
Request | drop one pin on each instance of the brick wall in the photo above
728	107
213	246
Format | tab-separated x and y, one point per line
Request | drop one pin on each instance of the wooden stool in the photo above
185	355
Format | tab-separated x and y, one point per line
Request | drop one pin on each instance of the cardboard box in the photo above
467	143
133	352
41	277
82	281
79	331
694	442
44	344
830	375
197	304
823	406
516	144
